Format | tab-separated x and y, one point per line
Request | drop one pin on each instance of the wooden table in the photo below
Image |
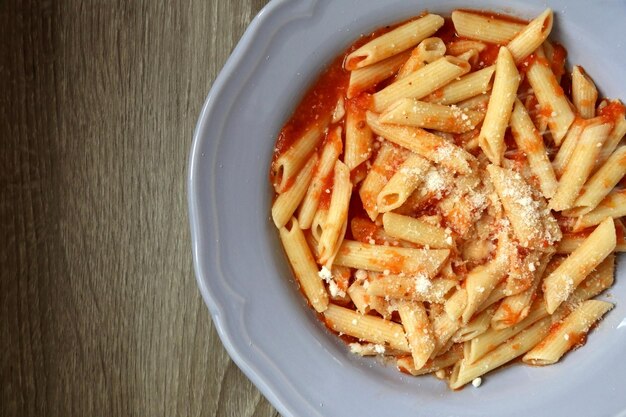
99	310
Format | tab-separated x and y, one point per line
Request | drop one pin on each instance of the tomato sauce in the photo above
317	104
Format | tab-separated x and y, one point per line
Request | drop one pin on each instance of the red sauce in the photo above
326	192
317	104
447	33
488	55
363	229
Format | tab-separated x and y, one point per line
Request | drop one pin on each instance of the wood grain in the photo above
99	309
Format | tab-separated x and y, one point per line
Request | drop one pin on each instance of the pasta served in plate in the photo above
449	195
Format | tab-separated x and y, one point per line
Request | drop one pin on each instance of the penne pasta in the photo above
383	168
330	153
363	327
531	37
412	112
584	93
398	40
335	223
287	166
416	287
580	165
421	82
613	206
364	78
558	286
469	244
359	137
567	146
418	331
286	203
428	145
303	265
394	260
485	28
465	372
405	363
532	222
428	50
505	84
530	142
471	85
417	231
602	182
405	180
569	334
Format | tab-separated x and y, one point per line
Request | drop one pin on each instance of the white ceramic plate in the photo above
242	272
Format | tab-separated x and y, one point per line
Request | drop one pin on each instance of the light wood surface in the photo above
99	310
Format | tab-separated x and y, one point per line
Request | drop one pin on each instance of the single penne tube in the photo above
614	139
391	43
359	137
303	265
400	186
551	97
503	93
286	203
337	215
389	156
417	231
603	181
455	304
532	223
330	153
530	142
430	146
461	46
580	165
613	205
286	167
428	50
558	286
381	258
471	85
569	333
485	28
408	287
532	36
405	363
364	327
515	308
584	93
359	297
567	146
479	283
418	330
421	82
364	78
412	112
524	341
475	327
